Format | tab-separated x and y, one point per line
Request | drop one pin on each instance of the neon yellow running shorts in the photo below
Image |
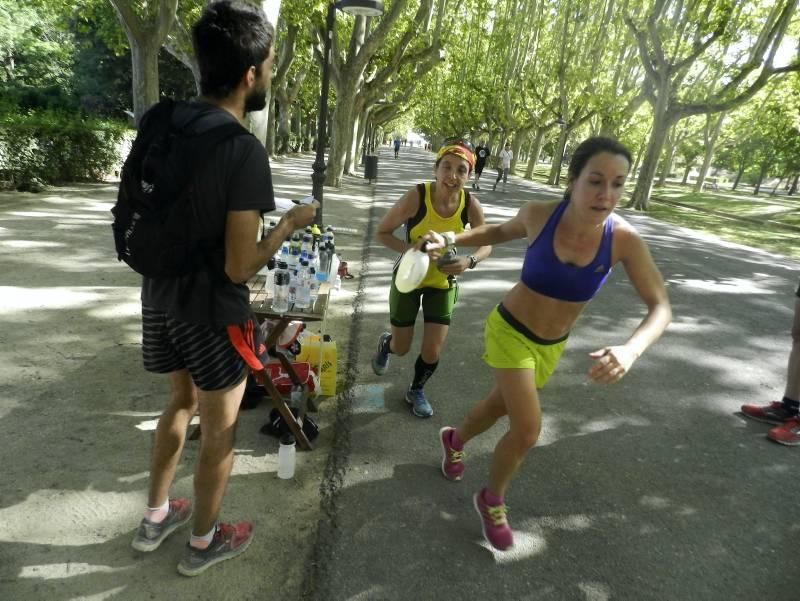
510	345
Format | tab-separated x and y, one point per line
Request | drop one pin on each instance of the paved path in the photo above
652	489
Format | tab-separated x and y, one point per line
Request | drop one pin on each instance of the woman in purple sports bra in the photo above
573	244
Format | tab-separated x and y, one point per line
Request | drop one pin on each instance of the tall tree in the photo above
146	26
673	40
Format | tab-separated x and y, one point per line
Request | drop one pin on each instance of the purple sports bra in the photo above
543	271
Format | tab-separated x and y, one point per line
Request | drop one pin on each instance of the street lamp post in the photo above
367	8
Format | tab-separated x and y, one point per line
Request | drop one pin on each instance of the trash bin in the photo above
371	167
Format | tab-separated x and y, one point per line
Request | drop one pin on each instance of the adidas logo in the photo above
147	187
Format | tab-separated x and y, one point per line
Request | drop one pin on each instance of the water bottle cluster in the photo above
301	264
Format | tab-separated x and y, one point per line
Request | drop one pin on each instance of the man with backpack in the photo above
212	182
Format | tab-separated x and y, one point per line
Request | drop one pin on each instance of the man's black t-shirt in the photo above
235	177
481	155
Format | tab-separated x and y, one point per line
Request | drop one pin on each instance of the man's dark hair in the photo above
592	146
229	38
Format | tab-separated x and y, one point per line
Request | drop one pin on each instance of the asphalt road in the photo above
651	489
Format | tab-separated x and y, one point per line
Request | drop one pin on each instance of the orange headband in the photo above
459	151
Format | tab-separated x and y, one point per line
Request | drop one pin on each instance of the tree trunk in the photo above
358	145
284	124
738	175
270	141
516	145
352	148
258	122
666	166
793	189
145	38
761	175
638	160
686	172
339	141
640	198
710	143
536	150
145	76
775	189
558	156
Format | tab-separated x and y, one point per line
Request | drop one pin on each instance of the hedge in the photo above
58	147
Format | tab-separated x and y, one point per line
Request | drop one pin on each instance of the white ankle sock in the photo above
157	514
202	542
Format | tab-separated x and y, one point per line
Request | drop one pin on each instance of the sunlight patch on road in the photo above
246	464
595	591
71	518
526	545
150	425
17	244
555	429
723	286
133	478
102	596
373	592
16	299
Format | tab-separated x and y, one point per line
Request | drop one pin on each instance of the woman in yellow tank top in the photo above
440	206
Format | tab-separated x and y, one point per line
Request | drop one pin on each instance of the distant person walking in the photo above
482	153
503	166
396	147
571	246
786	412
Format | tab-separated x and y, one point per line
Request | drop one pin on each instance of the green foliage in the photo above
34	50
55	147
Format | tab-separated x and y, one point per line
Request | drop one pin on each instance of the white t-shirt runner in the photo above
505	158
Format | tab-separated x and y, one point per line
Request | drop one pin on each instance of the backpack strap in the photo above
420	214
465	210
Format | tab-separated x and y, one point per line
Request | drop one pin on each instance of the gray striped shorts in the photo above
170	345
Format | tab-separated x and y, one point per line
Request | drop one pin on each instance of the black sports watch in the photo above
472	261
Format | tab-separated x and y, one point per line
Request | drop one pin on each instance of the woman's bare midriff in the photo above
548	318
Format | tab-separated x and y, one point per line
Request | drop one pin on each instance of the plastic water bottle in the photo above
270	281
283	253
316	233
286	457
296	243
307	247
294	256
302	296
295	281
280	295
333	270
314	282
313	261
324	263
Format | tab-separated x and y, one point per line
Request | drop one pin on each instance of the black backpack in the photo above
153	215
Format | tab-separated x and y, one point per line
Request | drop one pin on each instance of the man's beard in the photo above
256	101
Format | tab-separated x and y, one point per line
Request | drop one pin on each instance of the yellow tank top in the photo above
428	219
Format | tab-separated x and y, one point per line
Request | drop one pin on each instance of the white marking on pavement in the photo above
369	398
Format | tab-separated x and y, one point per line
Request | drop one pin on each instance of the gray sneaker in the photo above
150	535
229	541
380	362
419	404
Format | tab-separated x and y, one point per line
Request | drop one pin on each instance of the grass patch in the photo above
785	209
773	239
